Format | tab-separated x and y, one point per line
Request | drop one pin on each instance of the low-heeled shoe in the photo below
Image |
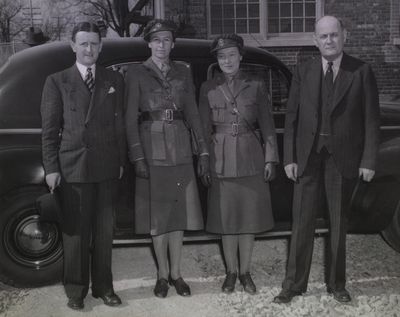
229	284
286	296
180	285
75	303
341	295
247	283
109	299
161	288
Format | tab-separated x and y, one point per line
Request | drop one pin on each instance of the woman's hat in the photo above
158	25
225	41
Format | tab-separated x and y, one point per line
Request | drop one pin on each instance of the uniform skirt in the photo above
167	201
239	205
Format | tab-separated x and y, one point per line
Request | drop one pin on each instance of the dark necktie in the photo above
89	80
329	79
164	69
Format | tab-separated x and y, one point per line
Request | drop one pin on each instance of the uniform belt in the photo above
162	115
233	128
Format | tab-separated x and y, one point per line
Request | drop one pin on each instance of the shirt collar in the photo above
159	63
335	66
82	69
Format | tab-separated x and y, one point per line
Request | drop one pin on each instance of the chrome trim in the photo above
20	131
390	127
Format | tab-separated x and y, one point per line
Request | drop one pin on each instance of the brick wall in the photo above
373	27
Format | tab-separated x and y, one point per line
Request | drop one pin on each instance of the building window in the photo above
234	16
265	22
291	16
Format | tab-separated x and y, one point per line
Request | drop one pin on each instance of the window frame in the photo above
266	39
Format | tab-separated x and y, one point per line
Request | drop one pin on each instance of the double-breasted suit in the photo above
240	130
352	143
83	139
168	200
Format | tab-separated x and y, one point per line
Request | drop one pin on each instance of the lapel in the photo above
343	80
313	80
241	82
101	88
76	89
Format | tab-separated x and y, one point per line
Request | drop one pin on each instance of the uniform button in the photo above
179	184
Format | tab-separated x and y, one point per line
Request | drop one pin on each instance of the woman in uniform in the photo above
236	112
161	108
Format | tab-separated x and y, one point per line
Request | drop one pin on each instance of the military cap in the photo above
158	25
225	41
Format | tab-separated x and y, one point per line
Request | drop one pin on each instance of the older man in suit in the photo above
331	138
84	153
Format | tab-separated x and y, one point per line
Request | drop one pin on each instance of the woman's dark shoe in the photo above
286	296
229	283
247	283
161	288
180	285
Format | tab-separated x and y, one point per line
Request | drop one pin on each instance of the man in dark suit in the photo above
84	154
331	138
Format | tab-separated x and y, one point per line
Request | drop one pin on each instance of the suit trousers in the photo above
87	236
321	172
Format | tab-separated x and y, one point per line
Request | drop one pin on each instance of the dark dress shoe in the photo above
109	299
286	296
180	285
247	283
161	288
229	284
75	303
341	295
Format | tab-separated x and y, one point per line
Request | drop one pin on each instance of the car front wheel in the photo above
30	250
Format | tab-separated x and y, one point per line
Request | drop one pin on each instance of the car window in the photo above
275	80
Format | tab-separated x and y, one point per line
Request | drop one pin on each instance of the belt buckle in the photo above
169	115
235	129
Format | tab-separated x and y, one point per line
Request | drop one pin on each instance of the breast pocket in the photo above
218	105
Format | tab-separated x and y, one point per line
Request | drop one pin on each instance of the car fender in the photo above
20	167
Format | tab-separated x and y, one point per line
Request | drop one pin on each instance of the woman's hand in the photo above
269	171
203	170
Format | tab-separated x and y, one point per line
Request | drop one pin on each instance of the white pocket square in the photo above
111	90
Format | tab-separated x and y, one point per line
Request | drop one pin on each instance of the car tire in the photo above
30	251
392	233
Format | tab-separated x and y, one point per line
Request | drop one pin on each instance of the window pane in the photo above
285	10
273	10
227	1
298	10
285	26
273	25
241	11
254	26
216	26
216	12
229	11
241	26
254	11
309	27
297	25
229	26
310	10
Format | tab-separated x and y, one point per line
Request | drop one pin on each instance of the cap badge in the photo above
158	25
221	42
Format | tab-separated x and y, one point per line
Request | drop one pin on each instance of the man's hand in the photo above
269	171
291	171
366	174
53	180
121	172
141	169
203	170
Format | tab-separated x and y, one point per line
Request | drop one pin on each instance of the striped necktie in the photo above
89	80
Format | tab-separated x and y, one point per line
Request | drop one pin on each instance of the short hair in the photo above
341	24
85	27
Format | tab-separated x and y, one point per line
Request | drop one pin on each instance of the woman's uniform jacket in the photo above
241	154
161	143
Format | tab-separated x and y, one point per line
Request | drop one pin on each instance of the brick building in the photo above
284	27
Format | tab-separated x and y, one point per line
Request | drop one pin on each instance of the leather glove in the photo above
203	170
269	171
141	169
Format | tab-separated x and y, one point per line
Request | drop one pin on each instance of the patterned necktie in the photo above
164	69
329	78
89	80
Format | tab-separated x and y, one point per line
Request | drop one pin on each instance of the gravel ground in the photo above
373	271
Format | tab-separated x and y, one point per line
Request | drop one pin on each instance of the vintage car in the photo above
31	251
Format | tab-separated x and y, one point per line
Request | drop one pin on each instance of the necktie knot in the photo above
89	80
164	69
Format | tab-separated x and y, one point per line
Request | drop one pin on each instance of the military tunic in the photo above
168	200
239	199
